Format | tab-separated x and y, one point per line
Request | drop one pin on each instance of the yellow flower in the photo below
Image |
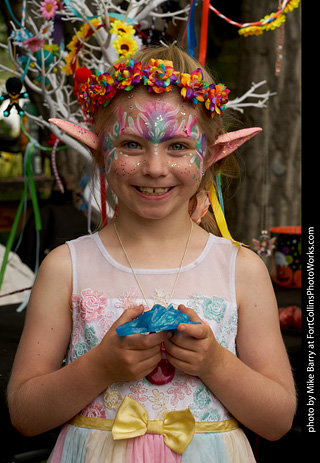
125	45
291	5
275	23
68	59
54	48
82	33
251	30
72	45
120	28
95	22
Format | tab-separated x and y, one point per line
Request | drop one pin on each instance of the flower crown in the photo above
158	76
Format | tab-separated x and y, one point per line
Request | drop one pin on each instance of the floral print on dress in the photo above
213	308
229	327
159	400
112	398
90	337
202	399
90	304
127	300
178	390
138	392
94	314
211	414
94	410
79	349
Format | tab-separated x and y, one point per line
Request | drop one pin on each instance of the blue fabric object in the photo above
159	318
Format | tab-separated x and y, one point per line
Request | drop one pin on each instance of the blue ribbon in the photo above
218	180
192	40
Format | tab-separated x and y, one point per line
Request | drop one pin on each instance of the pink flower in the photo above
33	43
48	8
92	305
94	410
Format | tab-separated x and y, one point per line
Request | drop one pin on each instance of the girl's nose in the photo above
155	163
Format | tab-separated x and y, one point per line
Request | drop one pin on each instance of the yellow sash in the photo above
131	420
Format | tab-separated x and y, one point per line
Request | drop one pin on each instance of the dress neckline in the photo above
162	271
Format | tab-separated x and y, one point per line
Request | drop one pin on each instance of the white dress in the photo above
102	290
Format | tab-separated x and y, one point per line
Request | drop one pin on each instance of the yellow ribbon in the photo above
218	213
131	420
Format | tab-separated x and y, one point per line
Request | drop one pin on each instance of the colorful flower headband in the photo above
158	76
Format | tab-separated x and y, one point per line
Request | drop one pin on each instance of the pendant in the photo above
264	245
164	371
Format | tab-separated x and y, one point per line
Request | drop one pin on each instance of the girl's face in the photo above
154	153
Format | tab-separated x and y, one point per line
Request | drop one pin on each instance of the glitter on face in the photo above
156	121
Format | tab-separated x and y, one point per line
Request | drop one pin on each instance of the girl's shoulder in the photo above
57	262
248	262
252	276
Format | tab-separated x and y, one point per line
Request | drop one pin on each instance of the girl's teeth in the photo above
154	191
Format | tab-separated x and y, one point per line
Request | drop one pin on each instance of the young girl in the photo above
172	395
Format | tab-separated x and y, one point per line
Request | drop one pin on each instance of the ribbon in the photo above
204	32
103	200
131	421
28	183
192	40
219	216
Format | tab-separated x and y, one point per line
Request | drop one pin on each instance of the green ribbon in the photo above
28	184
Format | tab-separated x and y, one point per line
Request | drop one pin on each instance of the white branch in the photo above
238	103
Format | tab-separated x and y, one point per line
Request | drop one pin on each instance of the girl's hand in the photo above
193	349
129	358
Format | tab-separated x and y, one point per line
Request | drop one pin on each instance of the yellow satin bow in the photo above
131	420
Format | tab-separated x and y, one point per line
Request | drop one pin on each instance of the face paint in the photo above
156	121
109	151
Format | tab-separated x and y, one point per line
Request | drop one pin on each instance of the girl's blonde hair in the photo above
182	62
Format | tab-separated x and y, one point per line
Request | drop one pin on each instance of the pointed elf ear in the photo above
85	136
229	142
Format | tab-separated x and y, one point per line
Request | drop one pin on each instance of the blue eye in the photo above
132	145
178	146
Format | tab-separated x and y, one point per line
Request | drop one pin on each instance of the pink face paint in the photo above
156	121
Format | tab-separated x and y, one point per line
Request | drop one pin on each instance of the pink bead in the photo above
162	374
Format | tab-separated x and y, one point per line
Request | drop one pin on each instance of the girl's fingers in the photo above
128	315
195	331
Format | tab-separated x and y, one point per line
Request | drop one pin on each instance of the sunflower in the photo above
125	45
120	28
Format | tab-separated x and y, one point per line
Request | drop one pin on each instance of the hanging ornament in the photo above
163	372
264	245
13	87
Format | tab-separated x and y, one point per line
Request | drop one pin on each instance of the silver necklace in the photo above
134	273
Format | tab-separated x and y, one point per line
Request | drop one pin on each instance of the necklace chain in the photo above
134	273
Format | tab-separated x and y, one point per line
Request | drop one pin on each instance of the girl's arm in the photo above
41	393
257	386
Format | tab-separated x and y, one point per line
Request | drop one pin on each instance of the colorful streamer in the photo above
219	216
204	32
268	22
192	40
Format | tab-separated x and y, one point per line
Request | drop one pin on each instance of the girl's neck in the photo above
154	243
